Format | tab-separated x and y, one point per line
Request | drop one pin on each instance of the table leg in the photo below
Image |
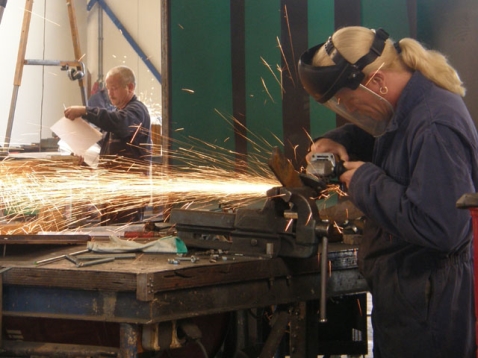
129	340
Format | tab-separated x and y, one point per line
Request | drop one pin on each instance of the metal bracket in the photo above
145	287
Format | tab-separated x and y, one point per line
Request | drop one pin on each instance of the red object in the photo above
139	234
474	215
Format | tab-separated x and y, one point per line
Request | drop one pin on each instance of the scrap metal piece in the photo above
95	262
71	259
284	170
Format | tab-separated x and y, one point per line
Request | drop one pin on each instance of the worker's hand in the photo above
325	145
74	112
350	167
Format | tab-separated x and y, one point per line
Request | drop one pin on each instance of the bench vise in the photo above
287	225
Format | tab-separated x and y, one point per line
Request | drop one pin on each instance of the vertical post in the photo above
166	76
76	46
129	338
19	69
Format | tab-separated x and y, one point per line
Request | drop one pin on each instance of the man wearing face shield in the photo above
417	153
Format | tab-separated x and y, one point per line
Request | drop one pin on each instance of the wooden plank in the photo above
22	348
81	278
23	42
116	306
44	239
76	43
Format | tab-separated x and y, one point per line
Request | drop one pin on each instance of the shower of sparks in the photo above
45	195
290	37
259	143
41	17
339	228
273	74
54	195
285	60
267	90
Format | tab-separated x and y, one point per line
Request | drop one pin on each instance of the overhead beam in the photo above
127	36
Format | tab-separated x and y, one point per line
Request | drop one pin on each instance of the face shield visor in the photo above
362	107
324	83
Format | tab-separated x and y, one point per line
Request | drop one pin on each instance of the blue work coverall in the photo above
127	129
417	248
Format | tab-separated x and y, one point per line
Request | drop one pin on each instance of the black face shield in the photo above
322	83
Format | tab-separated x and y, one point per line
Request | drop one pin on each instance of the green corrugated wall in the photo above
201	72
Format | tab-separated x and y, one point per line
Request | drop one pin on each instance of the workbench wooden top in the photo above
149	289
122	273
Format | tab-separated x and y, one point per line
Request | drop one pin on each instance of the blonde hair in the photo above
125	73
353	42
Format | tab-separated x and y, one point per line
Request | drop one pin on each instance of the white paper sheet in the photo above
78	134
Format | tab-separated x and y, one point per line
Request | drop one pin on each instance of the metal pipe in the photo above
100	47
323	279
95	262
56	258
102	256
40	62
71	259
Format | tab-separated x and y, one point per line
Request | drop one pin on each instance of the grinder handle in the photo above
339	168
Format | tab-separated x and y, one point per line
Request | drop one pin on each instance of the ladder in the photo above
76	68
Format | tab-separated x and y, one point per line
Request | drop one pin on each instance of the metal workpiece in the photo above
94	262
103	255
72	259
177	260
192	258
60	257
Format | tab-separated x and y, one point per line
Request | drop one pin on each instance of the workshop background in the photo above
200	63
220	60
44	91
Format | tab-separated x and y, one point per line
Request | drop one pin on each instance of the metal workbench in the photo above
140	294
